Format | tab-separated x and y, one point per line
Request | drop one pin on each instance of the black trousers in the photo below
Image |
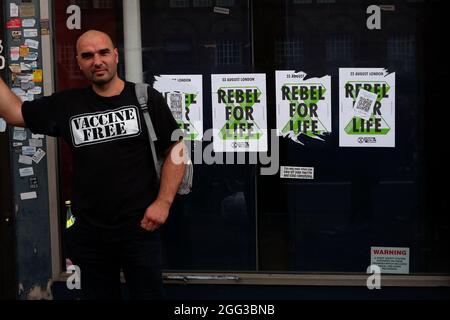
101	254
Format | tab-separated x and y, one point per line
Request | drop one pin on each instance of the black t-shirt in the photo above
114	177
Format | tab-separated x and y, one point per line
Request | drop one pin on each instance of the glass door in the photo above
214	228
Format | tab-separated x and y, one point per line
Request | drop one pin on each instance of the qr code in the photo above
363	104
176	105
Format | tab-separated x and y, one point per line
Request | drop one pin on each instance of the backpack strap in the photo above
142	96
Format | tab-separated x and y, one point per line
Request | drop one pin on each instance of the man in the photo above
117	201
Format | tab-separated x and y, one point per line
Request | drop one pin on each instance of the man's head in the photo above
97	57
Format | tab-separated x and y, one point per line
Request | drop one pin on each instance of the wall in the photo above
31	216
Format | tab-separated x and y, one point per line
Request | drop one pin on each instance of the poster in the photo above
390	259
366	107
239	112
303	106
184	95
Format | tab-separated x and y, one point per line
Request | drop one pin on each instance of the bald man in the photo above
118	201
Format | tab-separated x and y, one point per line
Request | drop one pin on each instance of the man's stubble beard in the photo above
102	82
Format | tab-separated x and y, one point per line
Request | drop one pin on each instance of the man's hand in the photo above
10	106
155	215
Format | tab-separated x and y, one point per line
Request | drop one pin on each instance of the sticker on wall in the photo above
23	51
30	33
36	90
28	195
13	10
33	183
25	160
2	125
184	95
26	172
2	58
37	75
239	112
390	259
14	23
28	23
16	35
33	44
15	68
367	107
19	134
28	151
35	143
27	10
297	172
32	56
26	85
14	53
303	106
38	156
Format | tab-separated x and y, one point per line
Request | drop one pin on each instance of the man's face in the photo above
97	58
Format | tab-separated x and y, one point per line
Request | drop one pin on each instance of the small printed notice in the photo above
297	172
19	134
37	157
28	195
364	104
28	151
390	260
25	160
26	172
2	125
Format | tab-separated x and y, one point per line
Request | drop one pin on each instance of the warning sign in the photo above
390	260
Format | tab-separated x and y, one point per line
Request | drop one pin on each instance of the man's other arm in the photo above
171	176
10	106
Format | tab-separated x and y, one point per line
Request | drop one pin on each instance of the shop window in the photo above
311	1
289	52
228	52
83	4
179	3
178	52
103	4
65	54
339	48
225	3
203	3
325	1
238	220
401	53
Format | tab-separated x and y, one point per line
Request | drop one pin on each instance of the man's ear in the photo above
116	52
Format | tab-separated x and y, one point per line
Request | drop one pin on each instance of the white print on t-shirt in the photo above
105	126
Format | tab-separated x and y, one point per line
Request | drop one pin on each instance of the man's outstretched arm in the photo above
10	106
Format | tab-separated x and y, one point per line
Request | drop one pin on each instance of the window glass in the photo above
237	219
360	197
214	228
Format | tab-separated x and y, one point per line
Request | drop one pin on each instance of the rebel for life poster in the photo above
239	112
303	106
366	107
184	95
